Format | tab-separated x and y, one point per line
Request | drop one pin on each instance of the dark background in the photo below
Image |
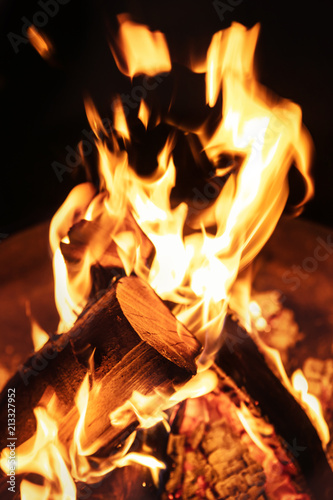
42	108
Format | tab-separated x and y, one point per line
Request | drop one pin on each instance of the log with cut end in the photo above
138	345
240	358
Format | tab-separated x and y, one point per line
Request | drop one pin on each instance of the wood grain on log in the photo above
138	345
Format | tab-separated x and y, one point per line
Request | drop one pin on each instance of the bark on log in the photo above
138	345
240	358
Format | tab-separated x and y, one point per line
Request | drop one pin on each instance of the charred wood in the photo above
241	360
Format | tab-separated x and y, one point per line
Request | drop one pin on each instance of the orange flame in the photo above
147	460
312	406
40	42
298	385
44	455
120	124
139	50
195	269
38	334
144	113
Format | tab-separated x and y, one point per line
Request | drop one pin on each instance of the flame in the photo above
148	409
193	260
252	427
46	455
147	460
196	271
40	42
70	295
38	334
120	124
312	406
297	385
43	454
79	451
94	120
277	466
139	50
144	113
256	315
29	490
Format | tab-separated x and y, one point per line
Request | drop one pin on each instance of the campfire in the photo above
166	378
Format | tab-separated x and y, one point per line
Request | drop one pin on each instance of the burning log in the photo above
241	360
137	345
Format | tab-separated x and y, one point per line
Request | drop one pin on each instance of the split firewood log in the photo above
137	344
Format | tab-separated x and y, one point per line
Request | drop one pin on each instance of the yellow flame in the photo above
312	406
230	53
94	119
148	409
144	113
197	269
139	50
38	334
70	294
44	455
202	383
29	490
298	385
119	122
147	460
253	430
